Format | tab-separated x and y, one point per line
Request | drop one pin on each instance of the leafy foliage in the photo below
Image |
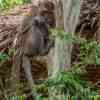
6	4
3	57
69	84
6	56
17	98
89	49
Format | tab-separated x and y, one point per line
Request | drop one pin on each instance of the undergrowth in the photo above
7	4
69	85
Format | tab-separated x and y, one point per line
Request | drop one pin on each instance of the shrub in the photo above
6	4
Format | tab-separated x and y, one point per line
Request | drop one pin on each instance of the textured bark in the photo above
63	49
71	16
59	13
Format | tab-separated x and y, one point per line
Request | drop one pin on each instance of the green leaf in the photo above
17	98
74	98
98	61
3	56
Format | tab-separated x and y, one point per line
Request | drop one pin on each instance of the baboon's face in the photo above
40	22
46	9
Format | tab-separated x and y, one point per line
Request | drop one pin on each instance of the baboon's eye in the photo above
39	21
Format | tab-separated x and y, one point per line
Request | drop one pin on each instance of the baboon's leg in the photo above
27	69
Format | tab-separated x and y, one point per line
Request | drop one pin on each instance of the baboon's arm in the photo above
46	49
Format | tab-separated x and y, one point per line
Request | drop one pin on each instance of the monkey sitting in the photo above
33	41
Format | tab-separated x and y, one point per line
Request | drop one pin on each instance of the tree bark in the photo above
59	14
67	18
71	13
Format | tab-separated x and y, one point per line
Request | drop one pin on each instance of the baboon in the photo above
48	12
33	41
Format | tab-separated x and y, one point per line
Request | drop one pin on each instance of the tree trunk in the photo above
63	48
98	35
71	13
62	52
59	14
